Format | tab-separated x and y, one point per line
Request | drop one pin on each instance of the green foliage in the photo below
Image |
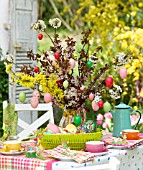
3	91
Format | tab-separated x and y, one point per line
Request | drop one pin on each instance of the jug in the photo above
121	118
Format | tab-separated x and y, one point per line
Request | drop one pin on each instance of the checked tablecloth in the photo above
23	163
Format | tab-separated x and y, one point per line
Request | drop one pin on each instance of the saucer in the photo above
102	153
12	153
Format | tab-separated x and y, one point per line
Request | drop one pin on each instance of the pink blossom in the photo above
99	116
105	125
99	122
108	115
133	119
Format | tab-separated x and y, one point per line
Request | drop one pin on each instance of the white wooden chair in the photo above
114	164
27	129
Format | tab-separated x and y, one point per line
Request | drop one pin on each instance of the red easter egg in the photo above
47	97
57	55
40	36
100	103
36	69
109	82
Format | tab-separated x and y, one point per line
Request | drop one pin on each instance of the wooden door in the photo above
22	38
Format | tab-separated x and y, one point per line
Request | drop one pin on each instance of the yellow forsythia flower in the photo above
141	93
8	68
134	100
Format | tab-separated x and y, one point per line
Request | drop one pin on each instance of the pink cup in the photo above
95	146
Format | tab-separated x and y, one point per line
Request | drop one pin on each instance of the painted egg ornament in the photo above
100	103
36	69
34	102
89	64
109	82
40	36
36	93
106	107
57	55
22	97
91	96
94	105
47	97
60	82
72	63
123	73
77	120
65	84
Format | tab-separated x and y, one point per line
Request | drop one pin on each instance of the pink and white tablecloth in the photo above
23	163
130	159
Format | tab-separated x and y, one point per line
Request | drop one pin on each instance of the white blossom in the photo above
115	94
56	22
9	59
39	26
97	97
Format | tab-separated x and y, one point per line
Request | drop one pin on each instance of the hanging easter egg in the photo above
100	103
57	55
109	82
94	105
36	93
91	96
34	102
47	97
65	84
36	69
123	73
72	63
40	36
22	97
75	70
89	64
106	107
77	120
60	82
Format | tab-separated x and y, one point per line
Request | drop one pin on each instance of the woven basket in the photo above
75	141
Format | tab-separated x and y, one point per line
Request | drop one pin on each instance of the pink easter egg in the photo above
54	128
36	93
94	105
34	102
47	97
72	63
123	73
91	96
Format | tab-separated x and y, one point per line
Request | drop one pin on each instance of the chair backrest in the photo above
114	164
37	123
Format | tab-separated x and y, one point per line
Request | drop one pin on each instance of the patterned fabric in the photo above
10	119
23	163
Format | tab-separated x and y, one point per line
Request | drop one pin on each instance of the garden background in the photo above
117	26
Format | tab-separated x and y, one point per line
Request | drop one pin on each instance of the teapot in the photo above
121	118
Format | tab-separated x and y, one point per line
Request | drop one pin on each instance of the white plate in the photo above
11	153
101	153
118	147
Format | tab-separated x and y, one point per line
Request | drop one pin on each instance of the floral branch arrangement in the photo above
69	78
